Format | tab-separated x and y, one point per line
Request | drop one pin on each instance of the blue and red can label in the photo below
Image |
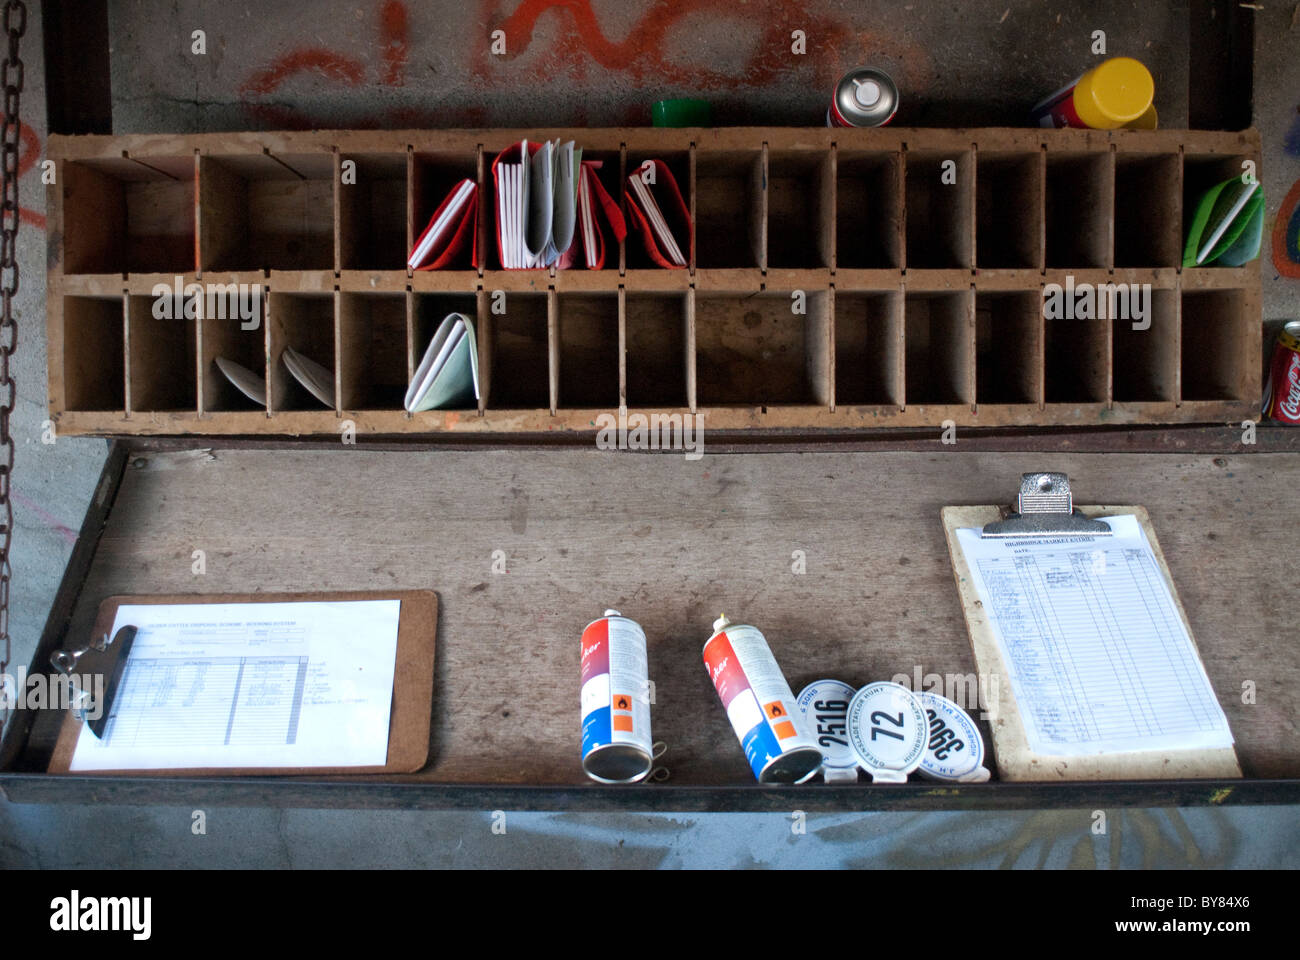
1057	108
758	700
615	686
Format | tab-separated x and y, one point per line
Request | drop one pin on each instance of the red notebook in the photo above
594	204
660	215
453	225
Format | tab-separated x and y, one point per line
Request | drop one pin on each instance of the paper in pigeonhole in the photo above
1099	658
247	685
594	203
642	198
1226	224
540	205
449	230
591	238
568	165
448	372
315	379
247	382
536	203
512	199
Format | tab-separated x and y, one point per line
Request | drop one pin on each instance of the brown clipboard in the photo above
412	706
1015	760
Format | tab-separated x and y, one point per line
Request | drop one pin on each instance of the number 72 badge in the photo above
887	730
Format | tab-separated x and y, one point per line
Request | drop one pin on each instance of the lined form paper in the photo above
250	685
1098	656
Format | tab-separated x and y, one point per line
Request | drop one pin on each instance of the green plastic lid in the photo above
681	113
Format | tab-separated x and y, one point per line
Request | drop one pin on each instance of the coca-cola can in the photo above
1282	394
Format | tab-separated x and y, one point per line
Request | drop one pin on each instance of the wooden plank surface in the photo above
672	543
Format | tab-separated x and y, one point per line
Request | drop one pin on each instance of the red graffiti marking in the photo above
392	28
643	52
648	55
325	62
29	148
27	503
334	67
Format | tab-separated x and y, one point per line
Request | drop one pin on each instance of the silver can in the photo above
864	97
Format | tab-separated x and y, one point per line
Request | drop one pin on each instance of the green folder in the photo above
1227	226
448	373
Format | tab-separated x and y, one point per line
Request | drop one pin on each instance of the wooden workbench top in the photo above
672	543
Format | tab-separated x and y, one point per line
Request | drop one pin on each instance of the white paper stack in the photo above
537	200
512	199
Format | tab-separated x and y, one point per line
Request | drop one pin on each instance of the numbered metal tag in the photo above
954	749
825	705
887	730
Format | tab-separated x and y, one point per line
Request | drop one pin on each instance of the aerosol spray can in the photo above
864	97
616	744
1115	93
760	704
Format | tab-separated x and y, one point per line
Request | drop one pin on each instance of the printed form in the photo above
250	685
1099	659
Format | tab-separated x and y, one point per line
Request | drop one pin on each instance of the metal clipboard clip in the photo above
98	667
1045	508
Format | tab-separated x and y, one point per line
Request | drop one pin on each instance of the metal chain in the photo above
11	78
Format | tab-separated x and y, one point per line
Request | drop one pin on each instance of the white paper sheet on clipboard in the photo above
1098	656
294	684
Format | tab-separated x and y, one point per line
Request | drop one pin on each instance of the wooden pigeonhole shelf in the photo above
921	257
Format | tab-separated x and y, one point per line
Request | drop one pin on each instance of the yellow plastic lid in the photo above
1114	93
1148	121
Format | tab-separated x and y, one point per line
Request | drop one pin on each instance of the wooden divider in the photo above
838	279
